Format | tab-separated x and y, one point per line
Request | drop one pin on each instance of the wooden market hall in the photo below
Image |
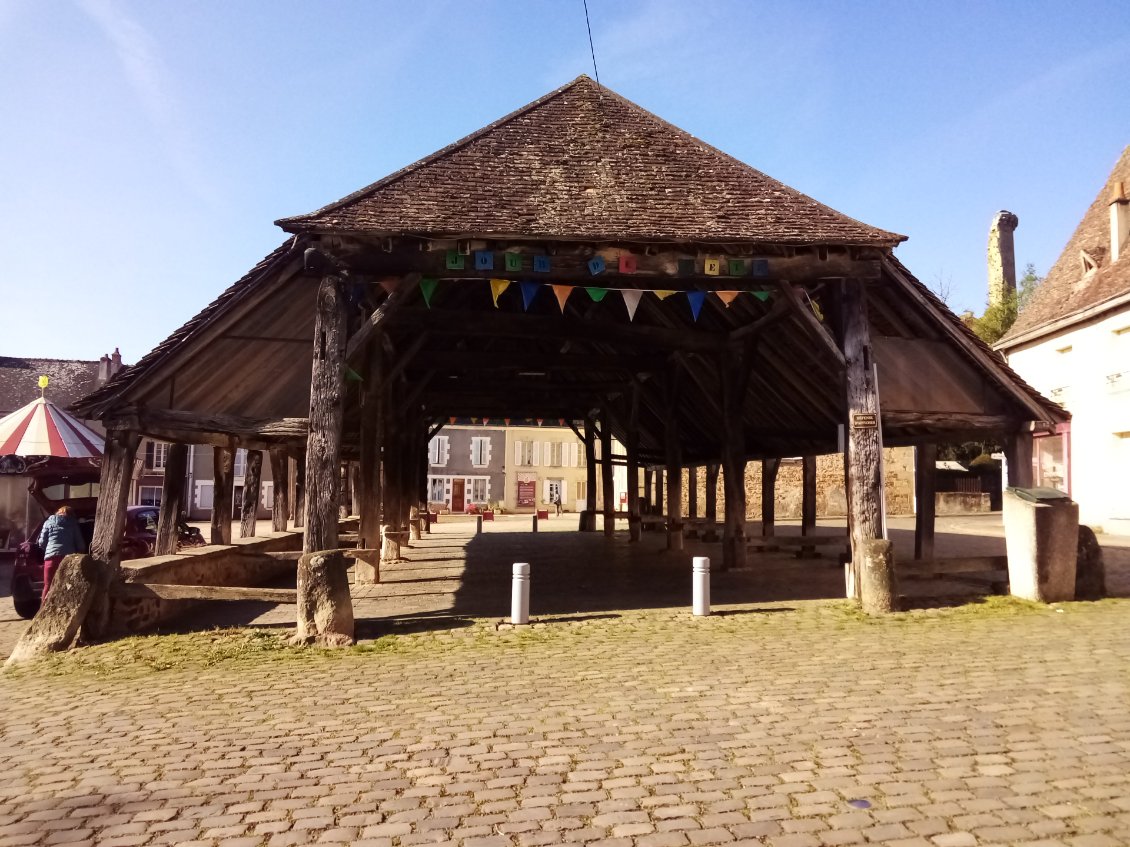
578	259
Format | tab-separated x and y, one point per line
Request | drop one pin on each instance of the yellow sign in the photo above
43	380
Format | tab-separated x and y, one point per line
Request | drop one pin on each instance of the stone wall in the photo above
831	500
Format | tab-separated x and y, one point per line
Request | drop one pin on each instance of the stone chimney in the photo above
1002	257
103	370
116	356
1119	220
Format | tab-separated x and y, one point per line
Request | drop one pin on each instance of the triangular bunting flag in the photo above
539	420
696	298
506	421
428	288
562	293
352	375
529	292
597	294
727	297
486	421
761	295
663	294
497	286
475	420
452	420
631	301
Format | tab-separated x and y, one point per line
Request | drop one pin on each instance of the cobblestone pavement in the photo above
793	723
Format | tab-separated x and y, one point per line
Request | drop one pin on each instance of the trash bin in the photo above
1041	530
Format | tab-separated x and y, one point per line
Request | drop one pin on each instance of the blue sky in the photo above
149	146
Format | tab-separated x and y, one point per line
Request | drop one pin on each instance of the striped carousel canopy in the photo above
43	429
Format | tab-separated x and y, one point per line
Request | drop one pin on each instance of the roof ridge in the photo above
454	146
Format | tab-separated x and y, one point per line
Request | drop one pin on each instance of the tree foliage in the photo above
998	318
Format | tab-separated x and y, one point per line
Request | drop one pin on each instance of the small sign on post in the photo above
864	420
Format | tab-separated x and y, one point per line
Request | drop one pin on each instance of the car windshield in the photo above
146	521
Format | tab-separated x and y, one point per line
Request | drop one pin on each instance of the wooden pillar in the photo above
864	450
223	492
344	493
692	492
323	446
252	486
280	490
733	464
648	497
370	466
298	507
109	520
588	516
769	468
607	486
355	488
633	450
674	473
1018	455
925	485
172	499
808	501
712	492
659	491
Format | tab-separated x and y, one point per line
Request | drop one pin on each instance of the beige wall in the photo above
1087	369
570	469
831	500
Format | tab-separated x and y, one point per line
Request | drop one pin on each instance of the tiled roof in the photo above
584	163
70	379
1068	289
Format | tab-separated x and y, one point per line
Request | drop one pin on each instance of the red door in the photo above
457	504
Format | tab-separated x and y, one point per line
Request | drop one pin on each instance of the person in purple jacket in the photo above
59	537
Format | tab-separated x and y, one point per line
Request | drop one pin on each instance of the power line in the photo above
592	49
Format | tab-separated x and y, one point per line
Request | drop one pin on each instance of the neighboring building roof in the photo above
584	163
70	379
1068	290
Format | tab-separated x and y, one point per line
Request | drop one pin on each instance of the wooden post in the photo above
733	464
808	502
355	488
252	486
648	497
607	486
711	515
588	516
223	492
925	484
769	468
659	491
109	520
864	445
370	466
299	503
280	491
323	447
344	492
633	450
172	499
692	491
674	471
1018	455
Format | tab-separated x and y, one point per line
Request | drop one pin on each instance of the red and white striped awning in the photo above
43	429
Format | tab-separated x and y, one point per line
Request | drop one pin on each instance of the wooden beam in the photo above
607	489
1018	458
950	421
327	385
252	490
541	327
380	316
692	492
808	500
733	465
633	449
769	468
371	442
150	591
925	484
816	330
508	361
172	499
712	492
207	427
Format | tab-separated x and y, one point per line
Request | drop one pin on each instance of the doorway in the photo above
458	503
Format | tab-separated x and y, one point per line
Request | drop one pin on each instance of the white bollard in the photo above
700	586
520	594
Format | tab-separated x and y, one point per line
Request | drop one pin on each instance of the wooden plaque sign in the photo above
864	420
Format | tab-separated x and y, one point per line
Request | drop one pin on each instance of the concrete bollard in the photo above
700	586
520	594
535	523
478	525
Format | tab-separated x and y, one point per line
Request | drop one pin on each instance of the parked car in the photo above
139	537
